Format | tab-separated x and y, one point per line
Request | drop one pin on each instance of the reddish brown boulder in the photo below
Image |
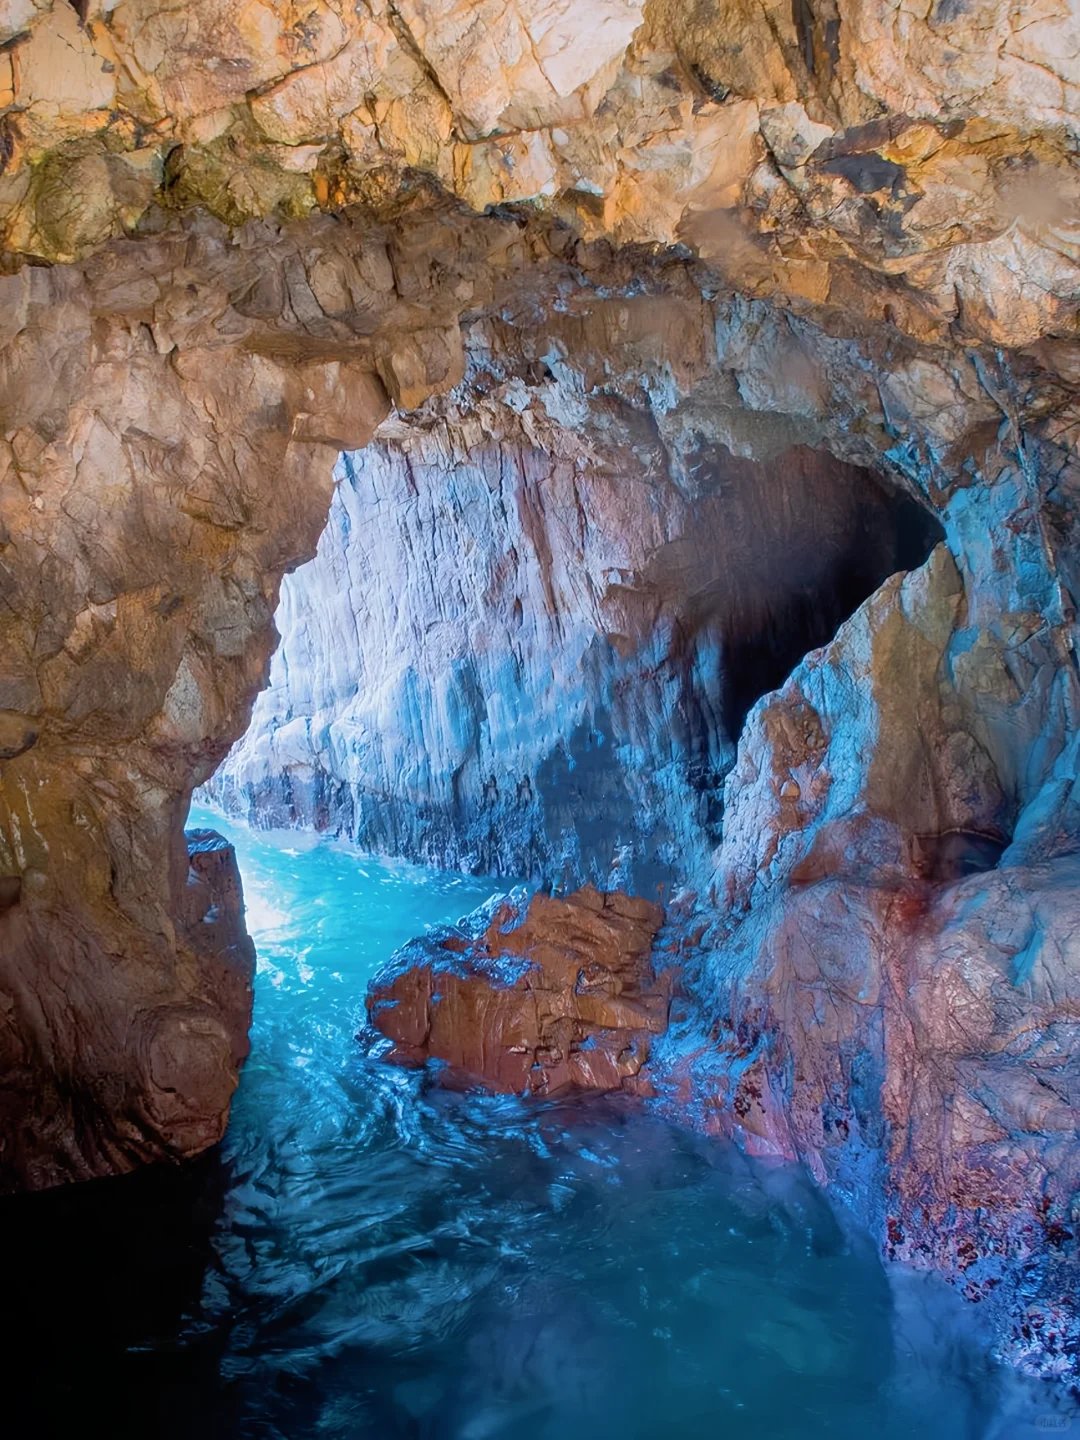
561	997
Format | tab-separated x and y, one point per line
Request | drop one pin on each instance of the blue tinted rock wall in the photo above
518	657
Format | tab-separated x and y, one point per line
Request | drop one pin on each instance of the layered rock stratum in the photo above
664	289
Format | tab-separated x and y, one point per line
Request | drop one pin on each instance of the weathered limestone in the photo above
894	983
916	169
843	227
532	652
170	430
561	996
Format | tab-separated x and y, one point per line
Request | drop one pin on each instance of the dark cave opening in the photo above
892	532
804	540
954	854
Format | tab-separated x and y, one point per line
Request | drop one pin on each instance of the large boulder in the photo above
560	996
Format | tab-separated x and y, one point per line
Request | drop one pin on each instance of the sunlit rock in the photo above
908	169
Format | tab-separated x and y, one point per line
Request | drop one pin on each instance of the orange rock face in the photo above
563	997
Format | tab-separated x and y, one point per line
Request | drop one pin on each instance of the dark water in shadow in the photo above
368	1257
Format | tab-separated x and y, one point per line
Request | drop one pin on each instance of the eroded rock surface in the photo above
137	1057
894	982
848	231
559	995
531	652
915	166
170	427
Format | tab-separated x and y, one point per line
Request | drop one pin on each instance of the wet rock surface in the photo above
915	1046
893	983
157	1048
556	996
713	237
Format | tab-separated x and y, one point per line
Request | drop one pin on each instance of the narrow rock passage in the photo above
528	659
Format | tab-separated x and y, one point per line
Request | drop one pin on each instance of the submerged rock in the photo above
562	995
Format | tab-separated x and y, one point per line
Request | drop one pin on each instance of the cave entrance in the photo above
811	539
507	662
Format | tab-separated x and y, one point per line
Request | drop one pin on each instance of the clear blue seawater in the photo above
368	1256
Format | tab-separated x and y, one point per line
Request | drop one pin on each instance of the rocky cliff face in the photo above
530	650
744	276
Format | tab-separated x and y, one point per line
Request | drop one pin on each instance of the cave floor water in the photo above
368	1256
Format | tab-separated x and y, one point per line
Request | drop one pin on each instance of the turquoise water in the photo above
369	1256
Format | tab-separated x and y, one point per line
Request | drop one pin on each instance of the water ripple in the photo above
368	1256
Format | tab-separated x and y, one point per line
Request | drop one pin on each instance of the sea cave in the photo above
540	718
